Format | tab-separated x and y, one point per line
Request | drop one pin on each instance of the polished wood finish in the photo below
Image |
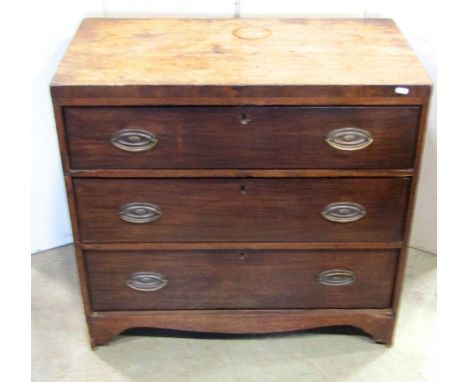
383	95
245	246
304	70
234	137
378	323
241	210
410	211
236	173
248	279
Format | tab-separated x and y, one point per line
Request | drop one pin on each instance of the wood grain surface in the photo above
241	173
378	323
241	137
245	245
239	280
241	210
241	237
116	52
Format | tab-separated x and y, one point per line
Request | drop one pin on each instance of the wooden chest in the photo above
240	176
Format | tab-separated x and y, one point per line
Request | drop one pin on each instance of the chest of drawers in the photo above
240	176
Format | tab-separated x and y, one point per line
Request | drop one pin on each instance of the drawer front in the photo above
241	137
240	280
241	210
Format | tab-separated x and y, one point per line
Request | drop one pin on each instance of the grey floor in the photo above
61	352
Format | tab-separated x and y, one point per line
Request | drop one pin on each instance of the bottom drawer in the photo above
229	279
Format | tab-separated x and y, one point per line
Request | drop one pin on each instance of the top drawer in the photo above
241	137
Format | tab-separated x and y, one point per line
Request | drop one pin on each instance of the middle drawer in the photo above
241	210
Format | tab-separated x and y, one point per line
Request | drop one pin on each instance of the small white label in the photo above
401	90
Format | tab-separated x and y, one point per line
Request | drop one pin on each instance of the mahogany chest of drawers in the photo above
240	176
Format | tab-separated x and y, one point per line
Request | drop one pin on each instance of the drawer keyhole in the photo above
244	120
242	189
242	256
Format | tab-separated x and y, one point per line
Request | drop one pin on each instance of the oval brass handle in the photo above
349	139
343	212
146	281
336	277
134	140
140	213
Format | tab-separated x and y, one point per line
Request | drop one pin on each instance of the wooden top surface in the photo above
239	52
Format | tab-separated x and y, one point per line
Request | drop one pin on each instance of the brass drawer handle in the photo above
134	140
146	281
349	139
140	213
343	212
336	277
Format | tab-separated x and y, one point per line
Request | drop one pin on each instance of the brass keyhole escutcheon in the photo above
244	120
